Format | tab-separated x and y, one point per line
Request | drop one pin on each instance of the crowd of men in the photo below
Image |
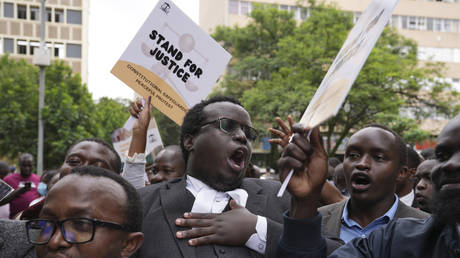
200	198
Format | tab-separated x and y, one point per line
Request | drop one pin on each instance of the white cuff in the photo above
258	240
136	158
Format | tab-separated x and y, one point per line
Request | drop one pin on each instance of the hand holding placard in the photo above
340	77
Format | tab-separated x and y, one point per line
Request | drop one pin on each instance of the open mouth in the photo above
360	181
237	159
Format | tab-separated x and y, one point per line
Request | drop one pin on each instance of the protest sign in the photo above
336	84
121	139
339	78
173	60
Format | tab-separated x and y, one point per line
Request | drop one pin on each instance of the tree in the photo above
391	82
69	113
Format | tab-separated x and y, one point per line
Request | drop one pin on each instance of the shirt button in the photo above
261	247
222	251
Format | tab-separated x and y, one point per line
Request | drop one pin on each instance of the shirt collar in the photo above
389	215
195	185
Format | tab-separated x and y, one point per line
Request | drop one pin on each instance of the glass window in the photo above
73	17
284	7
304	13
32	46
34	13
404	22
22	12
429	24
49	15
233	7
58	15
437	25
59	50
245	7
73	50
8	10
412	23
447	25
22	47
8	45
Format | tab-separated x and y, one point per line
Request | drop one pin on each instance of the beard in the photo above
445	207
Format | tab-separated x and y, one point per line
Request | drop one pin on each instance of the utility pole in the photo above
42	59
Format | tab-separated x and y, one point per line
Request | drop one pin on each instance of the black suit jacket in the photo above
165	202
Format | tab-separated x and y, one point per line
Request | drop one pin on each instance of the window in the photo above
73	50
245	7
233	7
59	15
22	47
49	15
404	22
58	50
22	12
284	7
429	24
73	17
447	25
304	13
8	45
32	46
8	10
437	24
34	13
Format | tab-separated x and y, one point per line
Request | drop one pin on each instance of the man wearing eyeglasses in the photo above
92	212
226	215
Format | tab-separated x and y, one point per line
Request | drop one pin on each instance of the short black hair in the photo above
400	144
195	117
25	155
133	207
413	159
116	165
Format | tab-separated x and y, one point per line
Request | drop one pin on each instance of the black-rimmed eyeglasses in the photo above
230	126
74	230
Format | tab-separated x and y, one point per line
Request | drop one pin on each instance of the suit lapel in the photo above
257	202
175	201
333	220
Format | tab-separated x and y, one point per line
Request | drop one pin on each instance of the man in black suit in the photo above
213	211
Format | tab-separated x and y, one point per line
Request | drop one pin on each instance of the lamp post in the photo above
42	59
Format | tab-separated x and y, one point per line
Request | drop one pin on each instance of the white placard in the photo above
173	60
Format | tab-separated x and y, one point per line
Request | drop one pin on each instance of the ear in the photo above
402	174
132	243
188	142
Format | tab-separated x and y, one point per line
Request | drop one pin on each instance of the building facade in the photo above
66	31
434	25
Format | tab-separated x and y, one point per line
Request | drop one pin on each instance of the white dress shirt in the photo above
208	200
408	198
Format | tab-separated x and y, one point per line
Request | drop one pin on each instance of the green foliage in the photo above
69	113
169	130
280	79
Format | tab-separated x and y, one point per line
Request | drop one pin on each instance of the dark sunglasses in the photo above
230	126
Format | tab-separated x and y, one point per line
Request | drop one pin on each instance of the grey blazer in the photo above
13	240
165	202
332	216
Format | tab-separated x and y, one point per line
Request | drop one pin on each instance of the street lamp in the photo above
42	59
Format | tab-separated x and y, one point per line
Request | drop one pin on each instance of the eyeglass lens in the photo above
73	231
230	126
